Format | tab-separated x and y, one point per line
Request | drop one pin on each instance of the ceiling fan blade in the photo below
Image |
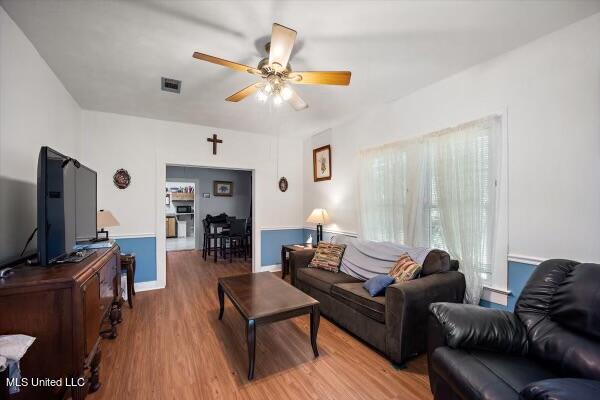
297	102
242	94
226	63
321	78
282	43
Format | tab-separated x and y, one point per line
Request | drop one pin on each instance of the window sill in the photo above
495	295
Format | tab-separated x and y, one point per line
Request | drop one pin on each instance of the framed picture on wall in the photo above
222	188
322	163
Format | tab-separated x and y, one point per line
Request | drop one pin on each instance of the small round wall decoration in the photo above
121	178
283	184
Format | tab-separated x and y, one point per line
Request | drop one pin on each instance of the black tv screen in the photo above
66	205
85	205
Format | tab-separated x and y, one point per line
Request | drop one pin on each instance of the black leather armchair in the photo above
548	349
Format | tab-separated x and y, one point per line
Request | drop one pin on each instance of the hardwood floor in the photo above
172	346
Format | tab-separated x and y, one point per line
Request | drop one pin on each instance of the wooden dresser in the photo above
68	308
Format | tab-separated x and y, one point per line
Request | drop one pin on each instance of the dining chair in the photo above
235	238
208	237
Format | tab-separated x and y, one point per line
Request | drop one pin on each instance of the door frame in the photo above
161	179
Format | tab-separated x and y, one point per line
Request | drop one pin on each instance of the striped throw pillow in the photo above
328	256
405	269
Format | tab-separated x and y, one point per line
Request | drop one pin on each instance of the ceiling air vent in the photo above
170	85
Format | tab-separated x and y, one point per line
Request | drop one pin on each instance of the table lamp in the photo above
319	216
105	219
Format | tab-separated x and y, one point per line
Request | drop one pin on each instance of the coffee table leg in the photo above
314	328
251	336
221	300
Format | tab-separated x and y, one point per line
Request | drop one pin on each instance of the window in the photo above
383	189
438	191
478	203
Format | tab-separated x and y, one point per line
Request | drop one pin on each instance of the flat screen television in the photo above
66	194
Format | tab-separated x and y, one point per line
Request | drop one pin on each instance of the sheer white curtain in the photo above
464	172
439	190
390	187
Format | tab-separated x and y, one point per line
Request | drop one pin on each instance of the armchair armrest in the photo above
407	309
299	259
473	327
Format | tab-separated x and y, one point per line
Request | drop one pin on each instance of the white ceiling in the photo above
110	55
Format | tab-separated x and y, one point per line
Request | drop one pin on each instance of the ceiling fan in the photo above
277	74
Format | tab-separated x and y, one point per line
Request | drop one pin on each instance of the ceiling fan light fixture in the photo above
277	74
286	92
262	96
268	87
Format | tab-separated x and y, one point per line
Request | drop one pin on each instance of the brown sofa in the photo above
395	323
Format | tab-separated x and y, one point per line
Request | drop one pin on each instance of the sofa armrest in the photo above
561	389
469	326
299	259
407	309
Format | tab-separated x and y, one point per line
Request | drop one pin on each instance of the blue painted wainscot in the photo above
145	255
271	241
518	274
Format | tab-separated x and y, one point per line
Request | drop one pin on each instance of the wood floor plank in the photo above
172	345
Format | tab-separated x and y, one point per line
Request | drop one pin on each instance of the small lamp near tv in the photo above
105	219
319	216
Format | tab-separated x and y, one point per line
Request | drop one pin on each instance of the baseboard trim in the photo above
149	285
270	268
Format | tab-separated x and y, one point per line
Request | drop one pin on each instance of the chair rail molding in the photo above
133	235
522	259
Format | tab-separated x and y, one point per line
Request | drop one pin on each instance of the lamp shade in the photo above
105	219
318	216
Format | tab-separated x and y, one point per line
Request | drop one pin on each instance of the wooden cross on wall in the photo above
214	141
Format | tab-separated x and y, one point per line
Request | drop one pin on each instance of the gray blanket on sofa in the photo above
364	259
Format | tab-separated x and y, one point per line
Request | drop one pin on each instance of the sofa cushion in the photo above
377	284
436	261
328	256
562	389
405	269
486	375
356	296
575	302
321	279
561	348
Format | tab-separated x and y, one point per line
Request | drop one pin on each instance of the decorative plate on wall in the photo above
283	184
121	178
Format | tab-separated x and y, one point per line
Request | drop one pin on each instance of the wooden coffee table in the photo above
262	298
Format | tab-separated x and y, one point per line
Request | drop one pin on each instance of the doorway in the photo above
201	205
179	214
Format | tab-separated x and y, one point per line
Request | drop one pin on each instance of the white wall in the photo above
144	147
550	92
35	110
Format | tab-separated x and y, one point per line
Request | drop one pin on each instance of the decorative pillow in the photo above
377	284
405	269
328	256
